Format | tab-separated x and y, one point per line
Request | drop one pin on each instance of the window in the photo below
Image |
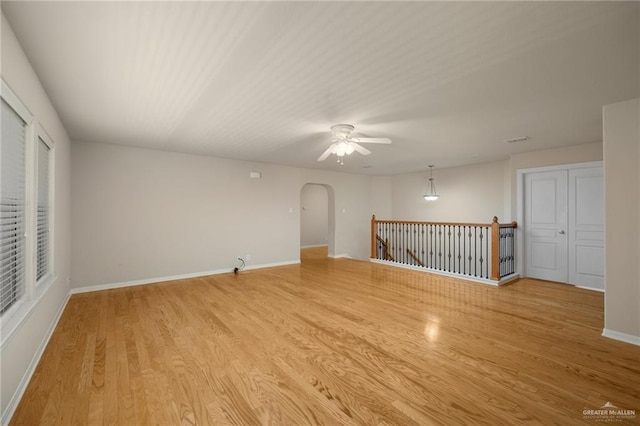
43	207
12	207
26	195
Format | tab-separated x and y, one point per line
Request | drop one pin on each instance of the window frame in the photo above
25	115
12	318
41	135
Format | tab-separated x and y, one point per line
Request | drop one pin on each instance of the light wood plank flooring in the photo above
331	341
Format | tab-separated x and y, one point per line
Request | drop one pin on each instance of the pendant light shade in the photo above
431	194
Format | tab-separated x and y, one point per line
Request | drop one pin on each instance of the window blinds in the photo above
12	207
42	224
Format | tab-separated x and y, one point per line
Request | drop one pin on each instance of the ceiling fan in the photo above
345	143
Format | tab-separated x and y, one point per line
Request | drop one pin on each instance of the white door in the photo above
545	219
586	227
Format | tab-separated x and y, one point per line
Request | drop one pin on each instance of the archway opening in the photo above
317	221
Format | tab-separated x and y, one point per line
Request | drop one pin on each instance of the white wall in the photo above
20	350
622	215
382	196
467	194
314	216
143	214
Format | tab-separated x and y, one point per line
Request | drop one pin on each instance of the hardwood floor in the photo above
331	341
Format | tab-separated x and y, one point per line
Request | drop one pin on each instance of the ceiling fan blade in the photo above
371	140
362	150
325	154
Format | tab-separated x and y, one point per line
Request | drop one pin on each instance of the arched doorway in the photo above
317	217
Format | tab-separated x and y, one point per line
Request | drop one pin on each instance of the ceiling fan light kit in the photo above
344	143
432	194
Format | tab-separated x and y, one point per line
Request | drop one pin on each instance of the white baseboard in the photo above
271	265
339	256
623	337
26	378
508	279
99	287
449	274
314	246
600	290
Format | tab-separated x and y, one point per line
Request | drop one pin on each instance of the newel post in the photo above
373	236
495	249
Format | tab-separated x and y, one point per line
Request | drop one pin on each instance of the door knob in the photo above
561	232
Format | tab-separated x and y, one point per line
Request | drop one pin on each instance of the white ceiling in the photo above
264	81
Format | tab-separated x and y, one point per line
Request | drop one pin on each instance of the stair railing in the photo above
484	251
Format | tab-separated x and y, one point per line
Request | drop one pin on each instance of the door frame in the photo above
520	243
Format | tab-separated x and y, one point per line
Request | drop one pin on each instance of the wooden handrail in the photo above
415	222
513	224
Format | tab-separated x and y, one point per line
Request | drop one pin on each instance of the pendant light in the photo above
431	194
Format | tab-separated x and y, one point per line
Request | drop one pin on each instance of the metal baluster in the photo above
404	243
488	253
420	242
405	235
441	256
433	247
513	250
475	251
424	246
407	244
459	256
398	242
430	245
449	247
414	243
410	244
464	250
439	247
395	241
400	248
381	233
503	253
395	237
480	229
377	241
507	250
387	239
470	249
392	240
